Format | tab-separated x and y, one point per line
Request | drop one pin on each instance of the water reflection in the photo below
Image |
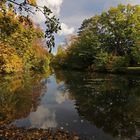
19	94
110	102
95	106
42	118
51	101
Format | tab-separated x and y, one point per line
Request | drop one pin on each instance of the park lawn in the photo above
133	70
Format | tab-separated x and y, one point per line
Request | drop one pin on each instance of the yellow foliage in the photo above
39	49
9	60
21	48
32	2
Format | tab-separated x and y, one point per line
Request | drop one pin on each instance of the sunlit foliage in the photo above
21	44
29	8
9	60
108	41
18	95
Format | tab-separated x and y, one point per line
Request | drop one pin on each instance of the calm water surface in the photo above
94	106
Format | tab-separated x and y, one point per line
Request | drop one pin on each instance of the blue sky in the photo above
72	12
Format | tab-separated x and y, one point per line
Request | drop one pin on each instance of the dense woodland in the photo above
106	42
34	82
23	46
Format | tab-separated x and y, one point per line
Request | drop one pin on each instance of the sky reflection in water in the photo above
71	104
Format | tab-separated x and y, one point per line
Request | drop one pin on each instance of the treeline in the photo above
106	42
21	43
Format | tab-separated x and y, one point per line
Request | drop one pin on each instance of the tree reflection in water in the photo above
19	94
111	102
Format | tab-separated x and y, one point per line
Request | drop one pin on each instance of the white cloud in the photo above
61	97
38	18
54	5
43	118
66	30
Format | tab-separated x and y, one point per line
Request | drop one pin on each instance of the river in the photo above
94	106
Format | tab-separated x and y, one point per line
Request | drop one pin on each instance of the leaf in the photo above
32	2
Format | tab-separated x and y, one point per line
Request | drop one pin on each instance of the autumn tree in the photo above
22	46
28	7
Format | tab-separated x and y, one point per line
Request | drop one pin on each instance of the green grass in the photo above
128	70
133	68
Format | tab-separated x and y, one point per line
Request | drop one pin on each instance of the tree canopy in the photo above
28	7
22	46
108	40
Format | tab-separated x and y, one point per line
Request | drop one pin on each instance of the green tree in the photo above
109	40
61	55
119	29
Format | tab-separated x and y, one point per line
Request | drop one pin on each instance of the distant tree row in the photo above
108	41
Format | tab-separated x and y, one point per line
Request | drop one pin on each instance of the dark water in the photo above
94	106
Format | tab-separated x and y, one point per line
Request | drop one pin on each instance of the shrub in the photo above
135	53
108	62
101	61
118	62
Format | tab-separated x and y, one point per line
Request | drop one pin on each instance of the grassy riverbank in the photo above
121	70
133	70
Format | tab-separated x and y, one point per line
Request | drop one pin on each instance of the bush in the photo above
135	54
108	62
118	62
101	61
